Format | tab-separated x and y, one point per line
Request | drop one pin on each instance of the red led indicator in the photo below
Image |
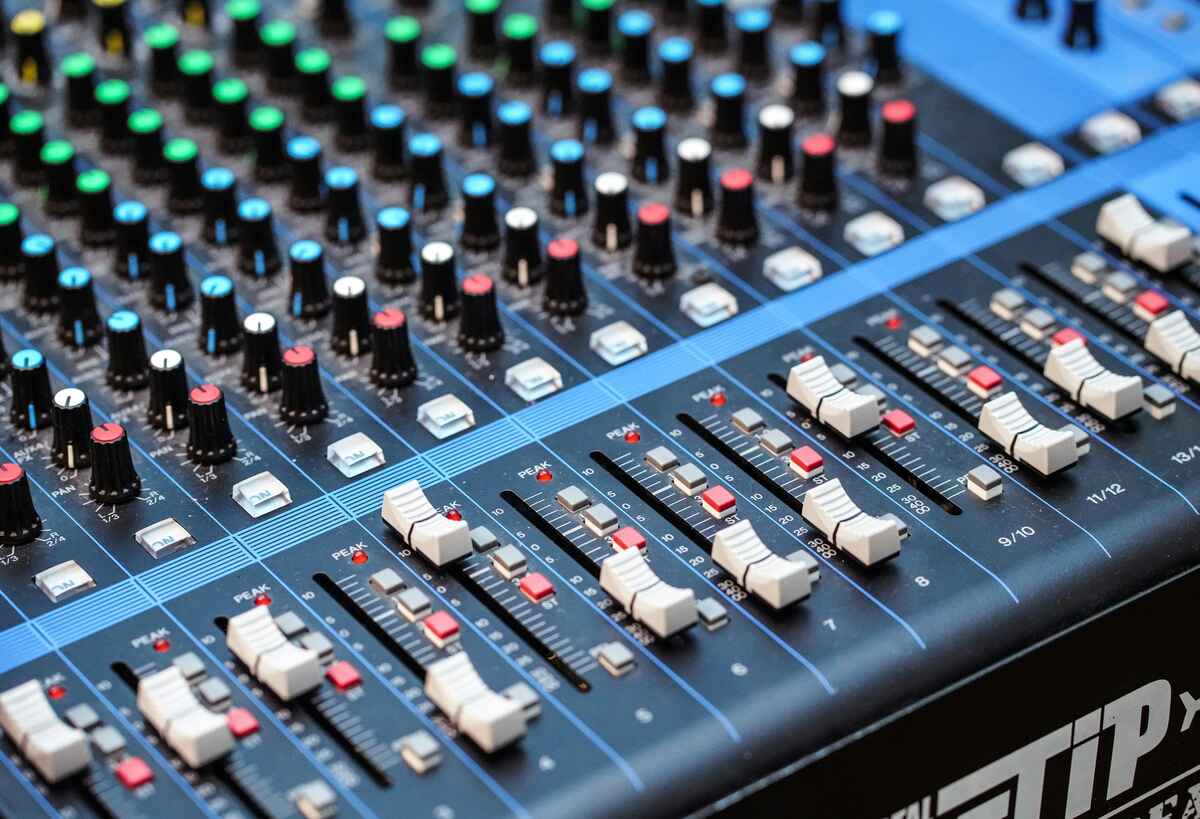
454	514
56	692
894	323
545	475
359	557
633	436
162	646
718	399
262	600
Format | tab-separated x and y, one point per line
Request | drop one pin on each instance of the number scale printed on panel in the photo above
599	408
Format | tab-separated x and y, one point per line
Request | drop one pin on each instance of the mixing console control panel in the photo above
571	408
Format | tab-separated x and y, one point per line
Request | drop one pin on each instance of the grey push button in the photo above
748	421
387	582
572	498
108	740
482	539
213	692
1119	286
315	800
290	624
191	666
261	494
413	604
954	197
354	455
83	717
953	361
163	538
1007	304
615	658
924	340
618	342
984	482
708	304
689	479
445	416
1088	267
712	614
1037	323
873	233
509	561
1160	402
420	751
64	580
533	378
775	441
315	641
600	519
661	459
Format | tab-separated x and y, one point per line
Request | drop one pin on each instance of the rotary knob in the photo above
611	229
344	222
898	148
479	229
71	417
262	362
127	359
39	263
78	320
306	192
479	329
568	191
439	281
303	399
818	173
516	142
30	381
351	317
392	363
171	290
210	440
394	264
220	333
19	519
114	479
654	251
309	291
220	206
167	407
522	247
737	222
258	251
564	294
427	192
693	191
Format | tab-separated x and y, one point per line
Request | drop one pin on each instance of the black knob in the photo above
112	31
59	170
754	42
737	221
171	289
303	399
597	26
19	519
710	25
693	192
808	78
611	229
776	162
306	193
854	115
522	247
564	294
898	148
1033	9
162	40
344	222
312	74
30	380
196	84
480	230
475	109
729	99
5	363
112	97
78	320
440	64
394	263
654	249
166	408
818	173
127	360
309	291
71	416
387	140
649	163
350	104
392	362
268	124
96	227
210	439
132	220
1081	31
479	328
246	15
568	192
39	262
885	26
262	360
220	331
258	250
31	57
403	36
278	38
220	206
595	107
28	132
351	317
79	69
636	28
516	142
520	40
558	80
481	28
675	57
114	479
428	191
334	18
828	27
184	192
439	281
149	165
11	236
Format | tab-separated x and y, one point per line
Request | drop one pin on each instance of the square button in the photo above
1065	336
689	479
387	581
662	459
343	675
775	441
536	587
601	520
572	498
108	740
133	772
440	628
412	603
983	381
509	561
83	717
1150	304
628	538
719	502
748	421
241	722
213	692
806	462
899	422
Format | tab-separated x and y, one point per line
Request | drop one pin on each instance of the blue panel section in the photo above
194	569
652	371
1161	190
565	408
293	527
468	451
20	644
93	613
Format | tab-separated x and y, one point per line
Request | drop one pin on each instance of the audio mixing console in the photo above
579	408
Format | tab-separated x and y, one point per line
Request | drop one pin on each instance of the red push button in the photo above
343	675
984	379
807	461
718	501
899	422
1150	303
536	587
1066	335
241	722
133	772
440	627
628	538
